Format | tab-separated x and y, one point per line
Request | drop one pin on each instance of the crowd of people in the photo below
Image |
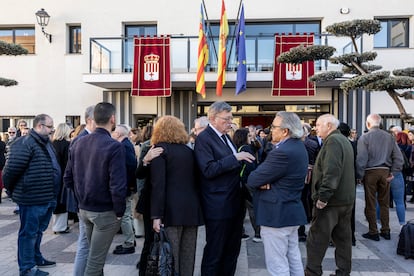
114	179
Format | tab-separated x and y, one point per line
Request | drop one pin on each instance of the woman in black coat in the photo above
61	141
175	200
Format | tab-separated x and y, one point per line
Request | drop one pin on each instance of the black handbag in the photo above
160	261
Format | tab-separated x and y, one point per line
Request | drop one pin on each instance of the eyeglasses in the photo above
272	126
50	127
228	119
12	132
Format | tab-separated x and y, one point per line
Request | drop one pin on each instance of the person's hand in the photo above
244	156
321	204
152	153
265	187
390	177
156	225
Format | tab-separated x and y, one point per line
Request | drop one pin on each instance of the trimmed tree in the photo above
10	49
362	75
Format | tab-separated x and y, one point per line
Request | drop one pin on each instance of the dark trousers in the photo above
223	239
332	222
149	238
377	189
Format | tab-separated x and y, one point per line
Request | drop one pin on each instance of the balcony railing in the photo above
116	54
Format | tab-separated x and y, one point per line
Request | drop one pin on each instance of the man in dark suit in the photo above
277	184
219	164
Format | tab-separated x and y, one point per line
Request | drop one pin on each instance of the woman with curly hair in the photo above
175	201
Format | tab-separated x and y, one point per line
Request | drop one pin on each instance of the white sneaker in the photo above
257	239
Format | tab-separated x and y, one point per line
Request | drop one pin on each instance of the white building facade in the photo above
89	58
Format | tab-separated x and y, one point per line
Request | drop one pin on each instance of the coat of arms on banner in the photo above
151	67
293	71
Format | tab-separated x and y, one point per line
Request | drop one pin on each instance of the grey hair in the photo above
218	107
292	122
329	118
89	112
202	121
374	120
123	129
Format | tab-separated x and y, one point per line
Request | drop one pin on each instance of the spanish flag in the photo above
202	57
224	31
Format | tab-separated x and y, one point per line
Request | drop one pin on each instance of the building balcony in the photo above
111	60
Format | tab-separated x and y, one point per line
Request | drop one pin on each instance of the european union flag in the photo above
241	55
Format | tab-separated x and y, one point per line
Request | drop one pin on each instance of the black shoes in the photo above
67	230
45	263
120	250
245	237
302	238
386	236
374	237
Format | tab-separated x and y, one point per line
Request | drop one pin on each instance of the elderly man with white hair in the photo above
333	194
378	157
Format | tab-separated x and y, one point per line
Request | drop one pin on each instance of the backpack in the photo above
406	241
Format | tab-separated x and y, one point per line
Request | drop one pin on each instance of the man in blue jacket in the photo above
31	175
277	186
96	171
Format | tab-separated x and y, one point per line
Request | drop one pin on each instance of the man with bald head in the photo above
333	195
378	155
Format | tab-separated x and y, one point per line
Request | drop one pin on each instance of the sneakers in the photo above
257	239
374	237
34	272
45	263
386	236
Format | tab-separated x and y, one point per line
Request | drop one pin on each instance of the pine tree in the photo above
361	74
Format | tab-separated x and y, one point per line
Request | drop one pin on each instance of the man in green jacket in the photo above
333	194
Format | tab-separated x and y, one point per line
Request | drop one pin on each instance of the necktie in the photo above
225	140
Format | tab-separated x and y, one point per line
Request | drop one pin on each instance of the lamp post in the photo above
43	20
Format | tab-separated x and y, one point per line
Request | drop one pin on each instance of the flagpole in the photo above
209	30
235	29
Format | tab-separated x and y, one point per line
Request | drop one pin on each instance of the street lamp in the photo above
43	19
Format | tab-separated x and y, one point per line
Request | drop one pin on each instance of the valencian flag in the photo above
202	56
241	80
292	79
221	70
151	75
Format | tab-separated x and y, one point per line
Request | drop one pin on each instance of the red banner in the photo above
151	75
292	79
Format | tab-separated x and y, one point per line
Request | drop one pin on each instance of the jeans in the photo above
82	251
282	252
101	228
34	220
397	187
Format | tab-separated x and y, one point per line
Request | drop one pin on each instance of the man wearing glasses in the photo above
31	175
221	197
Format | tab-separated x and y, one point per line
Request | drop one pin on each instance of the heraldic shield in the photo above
151	74
292	79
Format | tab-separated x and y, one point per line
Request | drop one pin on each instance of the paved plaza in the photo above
369	257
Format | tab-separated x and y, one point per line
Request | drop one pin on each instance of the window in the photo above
260	42
23	36
393	34
75	40
130	32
